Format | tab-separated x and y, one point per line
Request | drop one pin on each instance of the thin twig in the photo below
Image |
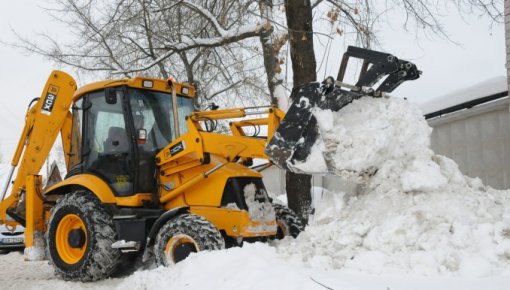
329	288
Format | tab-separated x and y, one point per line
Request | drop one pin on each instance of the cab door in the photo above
107	146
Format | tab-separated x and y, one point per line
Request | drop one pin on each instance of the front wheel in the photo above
79	238
288	222
183	235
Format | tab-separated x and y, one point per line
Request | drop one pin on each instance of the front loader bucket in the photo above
298	131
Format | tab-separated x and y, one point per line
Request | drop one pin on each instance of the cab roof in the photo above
146	83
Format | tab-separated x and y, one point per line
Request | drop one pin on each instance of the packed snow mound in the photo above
255	266
357	140
458	229
415	213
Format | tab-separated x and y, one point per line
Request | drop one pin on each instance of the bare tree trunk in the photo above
272	43
299	23
268	52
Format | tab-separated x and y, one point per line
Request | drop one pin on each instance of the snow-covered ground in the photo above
255	266
417	222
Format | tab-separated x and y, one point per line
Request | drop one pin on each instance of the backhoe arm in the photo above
43	121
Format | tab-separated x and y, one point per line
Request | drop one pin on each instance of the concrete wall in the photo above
274	180
478	139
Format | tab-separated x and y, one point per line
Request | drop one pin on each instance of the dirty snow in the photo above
37	251
416	223
231	205
259	207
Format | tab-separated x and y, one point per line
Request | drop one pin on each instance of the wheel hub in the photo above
76	238
71	239
179	247
182	251
281	230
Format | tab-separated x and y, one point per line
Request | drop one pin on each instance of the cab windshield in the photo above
153	112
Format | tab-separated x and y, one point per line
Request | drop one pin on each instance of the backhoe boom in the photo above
43	122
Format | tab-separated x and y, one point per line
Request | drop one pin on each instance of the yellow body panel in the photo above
137	82
136	200
234	146
236	223
208	191
101	189
89	181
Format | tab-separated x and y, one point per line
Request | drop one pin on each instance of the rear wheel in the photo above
79	238
288	222
183	235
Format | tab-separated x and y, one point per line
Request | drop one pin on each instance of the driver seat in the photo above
117	141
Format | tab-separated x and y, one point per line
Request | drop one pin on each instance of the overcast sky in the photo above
446	67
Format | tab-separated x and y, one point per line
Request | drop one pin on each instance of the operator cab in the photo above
118	130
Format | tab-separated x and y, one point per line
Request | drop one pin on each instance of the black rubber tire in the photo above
204	234
100	259
288	222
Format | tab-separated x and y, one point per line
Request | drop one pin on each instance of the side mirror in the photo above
141	136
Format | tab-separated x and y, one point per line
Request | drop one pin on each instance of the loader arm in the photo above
44	120
238	144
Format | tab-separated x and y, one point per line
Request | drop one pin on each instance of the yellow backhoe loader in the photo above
147	175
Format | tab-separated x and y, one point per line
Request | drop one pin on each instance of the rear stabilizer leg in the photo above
35	227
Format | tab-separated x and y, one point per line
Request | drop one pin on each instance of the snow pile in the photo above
355	141
255	266
416	213
259	207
